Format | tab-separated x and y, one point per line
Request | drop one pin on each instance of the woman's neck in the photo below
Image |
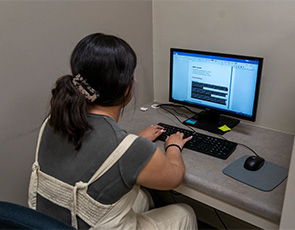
111	111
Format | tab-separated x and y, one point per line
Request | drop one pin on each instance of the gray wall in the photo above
287	219
36	40
258	28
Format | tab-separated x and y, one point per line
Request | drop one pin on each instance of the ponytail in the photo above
68	113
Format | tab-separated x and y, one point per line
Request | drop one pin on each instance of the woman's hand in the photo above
152	132
177	138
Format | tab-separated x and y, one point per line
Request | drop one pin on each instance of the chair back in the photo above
14	216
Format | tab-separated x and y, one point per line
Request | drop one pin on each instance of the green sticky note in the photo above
225	128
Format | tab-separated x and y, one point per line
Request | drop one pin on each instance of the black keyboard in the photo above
202	143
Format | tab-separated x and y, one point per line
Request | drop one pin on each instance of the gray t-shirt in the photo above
58	158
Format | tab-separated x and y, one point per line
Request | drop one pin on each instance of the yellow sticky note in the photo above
225	128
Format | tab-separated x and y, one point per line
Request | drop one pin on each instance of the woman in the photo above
70	180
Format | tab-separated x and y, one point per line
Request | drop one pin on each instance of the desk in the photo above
204	180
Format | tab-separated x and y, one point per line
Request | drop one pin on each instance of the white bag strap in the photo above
40	137
114	157
107	164
33	187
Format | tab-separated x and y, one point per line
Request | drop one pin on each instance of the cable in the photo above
171	114
178	119
249	149
185	107
182	106
220	219
183	114
179	106
242	145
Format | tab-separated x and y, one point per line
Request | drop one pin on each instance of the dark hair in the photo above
107	64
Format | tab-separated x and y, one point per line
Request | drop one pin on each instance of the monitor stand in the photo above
212	121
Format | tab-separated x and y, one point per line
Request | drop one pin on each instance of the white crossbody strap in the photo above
40	137
114	157
70	195
33	187
107	164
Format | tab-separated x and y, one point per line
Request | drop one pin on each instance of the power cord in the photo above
162	106
242	145
220	219
167	110
178	106
249	149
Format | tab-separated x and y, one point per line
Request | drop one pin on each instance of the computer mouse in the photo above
253	163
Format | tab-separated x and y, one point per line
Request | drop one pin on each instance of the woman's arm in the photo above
165	171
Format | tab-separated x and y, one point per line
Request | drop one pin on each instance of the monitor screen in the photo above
216	82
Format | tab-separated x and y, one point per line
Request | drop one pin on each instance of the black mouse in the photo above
254	163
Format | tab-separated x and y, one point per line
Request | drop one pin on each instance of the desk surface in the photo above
204	173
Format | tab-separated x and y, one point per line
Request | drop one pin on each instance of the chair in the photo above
14	216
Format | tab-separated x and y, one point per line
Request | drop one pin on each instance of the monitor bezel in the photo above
207	108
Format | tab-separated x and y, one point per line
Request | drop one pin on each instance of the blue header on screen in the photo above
216	57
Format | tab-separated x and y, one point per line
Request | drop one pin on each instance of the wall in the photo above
36	40
288	220
258	28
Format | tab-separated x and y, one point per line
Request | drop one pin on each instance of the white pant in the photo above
174	216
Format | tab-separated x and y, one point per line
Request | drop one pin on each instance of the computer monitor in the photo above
219	83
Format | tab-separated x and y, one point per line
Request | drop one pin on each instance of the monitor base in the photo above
215	124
